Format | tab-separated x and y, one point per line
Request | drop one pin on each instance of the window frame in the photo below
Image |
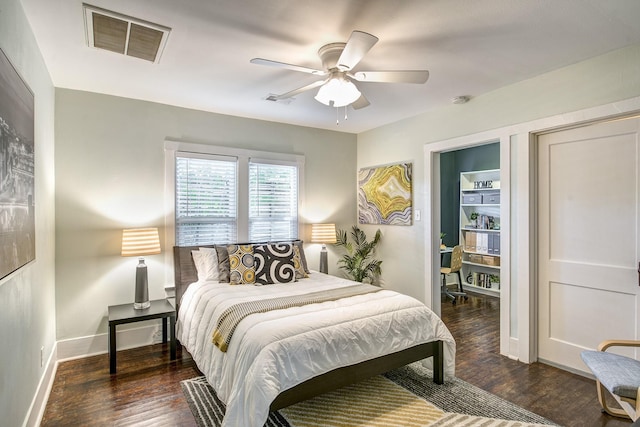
173	147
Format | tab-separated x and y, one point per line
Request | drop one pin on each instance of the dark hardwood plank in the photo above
565	398
146	390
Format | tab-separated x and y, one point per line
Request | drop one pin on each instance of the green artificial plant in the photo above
358	262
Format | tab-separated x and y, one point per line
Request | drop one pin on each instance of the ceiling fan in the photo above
338	61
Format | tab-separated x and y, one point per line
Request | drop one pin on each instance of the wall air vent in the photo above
124	34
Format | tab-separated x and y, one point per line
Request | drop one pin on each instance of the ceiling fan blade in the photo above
357	46
406	76
360	103
269	63
297	91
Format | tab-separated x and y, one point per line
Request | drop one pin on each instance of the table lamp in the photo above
139	242
323	233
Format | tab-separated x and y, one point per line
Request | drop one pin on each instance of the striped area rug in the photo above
376	402
404	397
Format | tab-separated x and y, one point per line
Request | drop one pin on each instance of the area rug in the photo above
403	397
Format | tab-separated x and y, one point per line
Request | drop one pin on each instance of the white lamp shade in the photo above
338	92
323	233
140	241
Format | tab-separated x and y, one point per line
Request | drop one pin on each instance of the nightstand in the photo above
125	313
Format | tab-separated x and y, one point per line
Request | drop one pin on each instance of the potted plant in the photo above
494	279
474	219
358	262
442	237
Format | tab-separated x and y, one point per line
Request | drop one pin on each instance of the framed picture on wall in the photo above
385	195
17	203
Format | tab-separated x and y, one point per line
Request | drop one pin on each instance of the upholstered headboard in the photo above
184	269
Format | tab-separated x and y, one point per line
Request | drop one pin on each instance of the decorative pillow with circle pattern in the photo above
241	265
274	263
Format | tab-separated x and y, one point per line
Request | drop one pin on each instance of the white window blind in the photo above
206	200
273	201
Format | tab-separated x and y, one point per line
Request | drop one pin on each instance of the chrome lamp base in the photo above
142	288
324	263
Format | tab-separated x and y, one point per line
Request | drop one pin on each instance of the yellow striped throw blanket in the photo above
230	318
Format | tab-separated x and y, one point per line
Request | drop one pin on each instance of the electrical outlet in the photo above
41	356
157	336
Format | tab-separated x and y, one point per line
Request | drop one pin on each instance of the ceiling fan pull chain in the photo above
345	113
337	118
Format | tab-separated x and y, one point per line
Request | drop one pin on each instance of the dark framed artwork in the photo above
385	195
17	203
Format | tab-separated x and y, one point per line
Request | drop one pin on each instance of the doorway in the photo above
476	166
500	142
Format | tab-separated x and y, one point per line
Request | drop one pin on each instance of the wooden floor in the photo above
146	389
565	398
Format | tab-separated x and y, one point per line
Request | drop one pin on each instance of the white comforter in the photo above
272	352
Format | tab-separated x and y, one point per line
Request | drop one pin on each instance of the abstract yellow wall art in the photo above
384	195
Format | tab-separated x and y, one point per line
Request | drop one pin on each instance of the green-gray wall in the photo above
110	175
27	297
598	81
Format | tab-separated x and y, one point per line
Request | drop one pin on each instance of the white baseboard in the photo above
513	348
39	402
75	348
584	373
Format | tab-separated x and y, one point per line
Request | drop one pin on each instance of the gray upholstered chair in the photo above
620	375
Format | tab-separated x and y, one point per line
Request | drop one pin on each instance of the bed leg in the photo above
438	363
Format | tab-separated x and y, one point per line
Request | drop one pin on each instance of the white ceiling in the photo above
469	48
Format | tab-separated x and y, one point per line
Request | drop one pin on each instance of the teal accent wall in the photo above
482	157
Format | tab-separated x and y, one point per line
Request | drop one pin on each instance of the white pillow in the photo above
206	262
198	260
211	260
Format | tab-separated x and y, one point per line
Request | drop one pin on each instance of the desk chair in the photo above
619	375
454	267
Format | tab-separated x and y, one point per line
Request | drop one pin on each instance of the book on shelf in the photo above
483	247
484	243
470	241
484	280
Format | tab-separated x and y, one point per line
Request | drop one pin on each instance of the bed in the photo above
279	357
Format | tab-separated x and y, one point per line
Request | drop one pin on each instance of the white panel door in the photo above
588	239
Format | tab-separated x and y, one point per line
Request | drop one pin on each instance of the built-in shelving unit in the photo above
480	230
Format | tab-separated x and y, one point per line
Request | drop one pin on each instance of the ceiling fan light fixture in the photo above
338	92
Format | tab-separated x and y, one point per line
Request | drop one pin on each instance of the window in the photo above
273	202
225	195
206	200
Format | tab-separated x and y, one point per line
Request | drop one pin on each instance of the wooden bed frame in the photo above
185	274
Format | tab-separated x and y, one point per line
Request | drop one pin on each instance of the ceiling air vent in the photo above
124	34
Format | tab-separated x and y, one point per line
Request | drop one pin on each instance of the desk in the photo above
125	313
443	252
